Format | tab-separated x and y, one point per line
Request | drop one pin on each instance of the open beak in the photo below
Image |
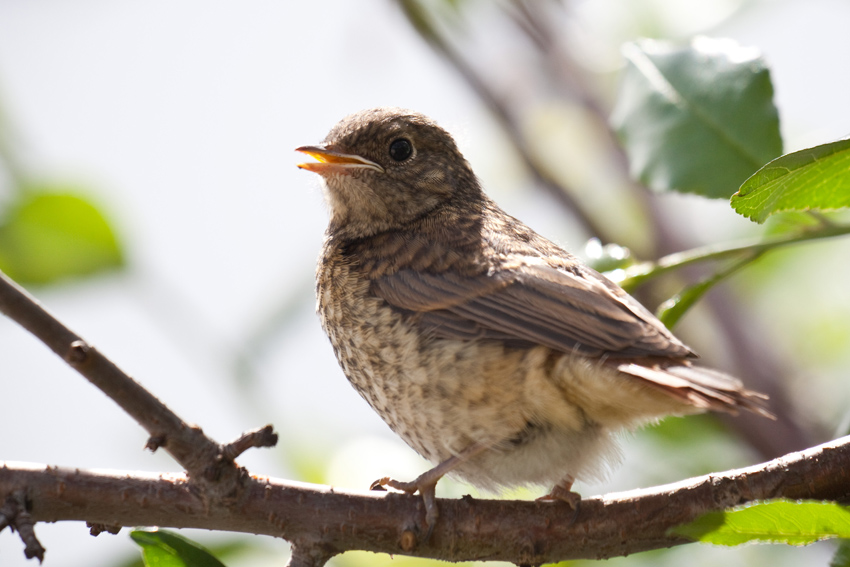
330	161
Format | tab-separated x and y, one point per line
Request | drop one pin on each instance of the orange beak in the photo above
330	161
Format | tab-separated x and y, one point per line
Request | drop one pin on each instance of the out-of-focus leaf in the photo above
420	19
608	257
790	222
45	236
774	521
815	178
696	119
842	555
672	310
426	17
161	548
231	547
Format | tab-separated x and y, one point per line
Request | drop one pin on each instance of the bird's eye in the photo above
401	149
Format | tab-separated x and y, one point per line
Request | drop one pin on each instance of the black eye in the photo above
401	149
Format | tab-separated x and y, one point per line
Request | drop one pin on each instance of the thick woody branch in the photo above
321	521
202	457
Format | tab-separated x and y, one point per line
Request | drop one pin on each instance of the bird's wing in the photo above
571	309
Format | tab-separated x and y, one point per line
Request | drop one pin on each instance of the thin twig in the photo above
261	437
187	444
640	273
14	513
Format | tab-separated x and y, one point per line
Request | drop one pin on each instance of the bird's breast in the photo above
438	395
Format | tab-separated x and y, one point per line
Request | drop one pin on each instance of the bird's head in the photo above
385	167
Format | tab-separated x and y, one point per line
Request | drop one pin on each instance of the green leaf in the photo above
773	521
672	310
45	236
812	179
696	119
162	548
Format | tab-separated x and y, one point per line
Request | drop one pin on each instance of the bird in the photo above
491	351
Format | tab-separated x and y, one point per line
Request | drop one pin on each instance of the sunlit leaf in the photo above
45	236
161	548
812	179
775	521
696	119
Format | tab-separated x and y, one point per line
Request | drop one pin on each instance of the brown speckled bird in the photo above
491	351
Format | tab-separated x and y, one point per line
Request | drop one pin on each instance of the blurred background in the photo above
177	122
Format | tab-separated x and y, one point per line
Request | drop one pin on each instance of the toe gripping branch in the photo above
426	483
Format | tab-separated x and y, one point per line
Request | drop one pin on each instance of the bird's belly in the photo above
439	396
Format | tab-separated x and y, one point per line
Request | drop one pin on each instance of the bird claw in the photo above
561	492
426	484
425	488
408	487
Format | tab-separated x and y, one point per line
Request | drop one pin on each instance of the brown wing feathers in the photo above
538	305
538	298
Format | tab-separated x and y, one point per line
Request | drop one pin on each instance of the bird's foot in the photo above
426	485
563	492
564	495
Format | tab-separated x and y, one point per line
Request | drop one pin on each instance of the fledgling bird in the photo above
491	351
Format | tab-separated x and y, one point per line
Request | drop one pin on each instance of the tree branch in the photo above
321	521
204	459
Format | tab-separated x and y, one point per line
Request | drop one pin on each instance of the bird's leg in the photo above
426	483
563	492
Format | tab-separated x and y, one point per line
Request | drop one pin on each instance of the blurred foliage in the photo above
773	521
608	257
842	555
696	119
672	309
50	233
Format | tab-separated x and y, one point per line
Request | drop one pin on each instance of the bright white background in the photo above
180	118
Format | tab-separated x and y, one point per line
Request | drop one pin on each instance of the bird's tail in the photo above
698	386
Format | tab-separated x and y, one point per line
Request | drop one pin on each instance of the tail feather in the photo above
698	386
